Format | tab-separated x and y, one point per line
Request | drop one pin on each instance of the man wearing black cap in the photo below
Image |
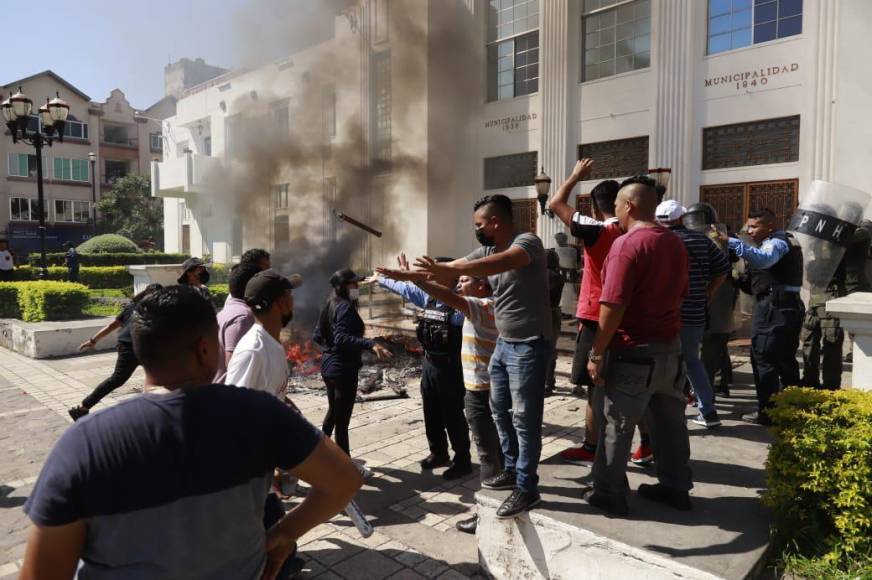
259	361
195	275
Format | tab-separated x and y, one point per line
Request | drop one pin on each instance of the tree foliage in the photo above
129	209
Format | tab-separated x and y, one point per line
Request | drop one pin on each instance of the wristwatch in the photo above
595	358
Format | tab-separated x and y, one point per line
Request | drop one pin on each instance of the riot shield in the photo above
824	224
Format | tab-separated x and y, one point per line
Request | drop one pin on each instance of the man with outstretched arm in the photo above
515	265
439	330
172	483
474	299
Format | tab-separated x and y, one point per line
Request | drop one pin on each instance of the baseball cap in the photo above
187	265
669	211
267	285
344	276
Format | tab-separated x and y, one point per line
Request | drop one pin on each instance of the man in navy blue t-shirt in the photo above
172	484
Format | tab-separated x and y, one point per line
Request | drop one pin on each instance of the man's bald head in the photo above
637	201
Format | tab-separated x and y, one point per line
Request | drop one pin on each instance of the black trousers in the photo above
341	394
125	364
442	394
715	355
73	274
484	433
7	275
775	329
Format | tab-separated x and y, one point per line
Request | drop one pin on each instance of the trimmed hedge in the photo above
219	294
819	474
108	244
112	259
9	300
92	276
44	300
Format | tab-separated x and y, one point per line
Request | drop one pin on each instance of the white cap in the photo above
669	211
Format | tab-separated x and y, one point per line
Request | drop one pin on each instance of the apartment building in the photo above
122	140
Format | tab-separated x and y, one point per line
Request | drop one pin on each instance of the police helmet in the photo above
700	215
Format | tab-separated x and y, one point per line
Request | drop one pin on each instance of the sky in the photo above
100	45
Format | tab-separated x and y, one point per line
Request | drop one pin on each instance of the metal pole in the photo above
93	198
37	144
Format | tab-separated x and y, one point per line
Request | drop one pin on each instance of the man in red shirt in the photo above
597	234
636	355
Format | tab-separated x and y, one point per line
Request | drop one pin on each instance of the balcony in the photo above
182	175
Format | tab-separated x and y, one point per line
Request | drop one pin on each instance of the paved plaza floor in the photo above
413	512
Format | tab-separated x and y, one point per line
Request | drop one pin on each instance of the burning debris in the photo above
379	379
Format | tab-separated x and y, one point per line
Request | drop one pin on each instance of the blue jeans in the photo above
517	398
691	339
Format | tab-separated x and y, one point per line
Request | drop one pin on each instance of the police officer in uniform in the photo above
439	331
775	279
822	335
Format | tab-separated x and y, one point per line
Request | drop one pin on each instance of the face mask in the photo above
204	277
354	294
482	238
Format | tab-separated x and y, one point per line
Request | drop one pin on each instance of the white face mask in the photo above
354	294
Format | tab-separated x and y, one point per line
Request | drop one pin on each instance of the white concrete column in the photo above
825	19
673	33
557	85
855	316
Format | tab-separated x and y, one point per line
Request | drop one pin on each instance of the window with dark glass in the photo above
736	23
754	143
518	170
513	48
155	142
618	158
382	105
617	37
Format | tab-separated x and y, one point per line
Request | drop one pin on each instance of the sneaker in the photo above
578	456
617	506
723	391
78	412
709	421
518	502
467	526
757	418
433	461
643	455
680	500
458	470
504	480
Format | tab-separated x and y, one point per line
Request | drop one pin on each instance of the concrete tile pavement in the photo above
413	512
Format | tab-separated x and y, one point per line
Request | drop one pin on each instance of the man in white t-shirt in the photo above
7	262
259	361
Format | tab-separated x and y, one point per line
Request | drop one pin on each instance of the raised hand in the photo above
582	169
403	275
403	262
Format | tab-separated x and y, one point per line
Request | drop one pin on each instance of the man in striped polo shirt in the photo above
707	269
474	300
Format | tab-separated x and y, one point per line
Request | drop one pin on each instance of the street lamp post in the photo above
543	186
93	159
53	116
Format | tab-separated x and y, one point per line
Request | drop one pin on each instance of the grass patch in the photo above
106	293
809	568
101	310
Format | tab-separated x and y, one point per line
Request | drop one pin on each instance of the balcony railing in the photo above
115	141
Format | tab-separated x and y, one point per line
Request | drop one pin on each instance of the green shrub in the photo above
217	273
819	474
47	300
9	300
108	243
92	276
219	294
112	259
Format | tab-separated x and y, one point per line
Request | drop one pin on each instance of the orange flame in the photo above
304	357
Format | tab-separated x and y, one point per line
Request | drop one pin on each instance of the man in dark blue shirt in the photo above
71	260
173	483
442	390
